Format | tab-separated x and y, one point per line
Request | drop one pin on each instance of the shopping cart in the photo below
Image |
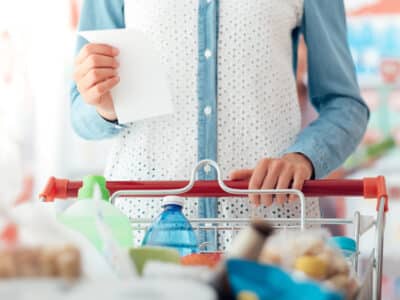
369	188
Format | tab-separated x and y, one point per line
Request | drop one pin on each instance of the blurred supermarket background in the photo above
37	40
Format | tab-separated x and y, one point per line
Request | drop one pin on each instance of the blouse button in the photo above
207	169
207	110
208	53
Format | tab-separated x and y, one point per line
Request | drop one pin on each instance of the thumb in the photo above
241	174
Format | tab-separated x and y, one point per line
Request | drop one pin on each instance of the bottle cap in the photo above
173	200
87	189
312	266
343	243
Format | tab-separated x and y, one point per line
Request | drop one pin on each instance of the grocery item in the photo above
172	229
311	254
210	260
267	282
35	226
312	266
141	256
83	215
250	241
247	245
52	262
347	246
341	282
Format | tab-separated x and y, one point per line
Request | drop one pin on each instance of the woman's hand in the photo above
290	171
95	75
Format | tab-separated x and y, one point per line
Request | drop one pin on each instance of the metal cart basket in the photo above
369	188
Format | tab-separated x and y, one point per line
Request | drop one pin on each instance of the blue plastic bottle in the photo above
172	229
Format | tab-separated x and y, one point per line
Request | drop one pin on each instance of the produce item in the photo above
53	262
285	247
210	260
312	266
172	229
83	215
141	256
336	263
247	245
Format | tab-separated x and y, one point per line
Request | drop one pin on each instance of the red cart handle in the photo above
369	188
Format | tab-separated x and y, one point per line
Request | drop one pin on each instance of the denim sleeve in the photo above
333	89
87	123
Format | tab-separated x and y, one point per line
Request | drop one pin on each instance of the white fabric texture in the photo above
258	111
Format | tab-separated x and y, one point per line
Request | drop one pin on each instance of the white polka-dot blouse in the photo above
258	113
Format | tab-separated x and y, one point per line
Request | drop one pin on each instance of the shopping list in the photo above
143	91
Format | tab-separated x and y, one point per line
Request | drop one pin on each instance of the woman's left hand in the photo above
289	171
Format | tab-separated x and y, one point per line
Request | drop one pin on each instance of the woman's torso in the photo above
257	108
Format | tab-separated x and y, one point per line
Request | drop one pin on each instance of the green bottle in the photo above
83	215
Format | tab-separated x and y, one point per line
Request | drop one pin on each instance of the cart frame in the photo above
367	188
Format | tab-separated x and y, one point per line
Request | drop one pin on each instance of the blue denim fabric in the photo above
207	97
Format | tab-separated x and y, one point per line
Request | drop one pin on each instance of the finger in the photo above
96	76
270	182
241	174
298	182
100	49
94	94
96	61
257	179
285	178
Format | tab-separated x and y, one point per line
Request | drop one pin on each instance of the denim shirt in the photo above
333	87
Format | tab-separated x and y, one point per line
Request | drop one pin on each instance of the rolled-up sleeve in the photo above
333	89
87	123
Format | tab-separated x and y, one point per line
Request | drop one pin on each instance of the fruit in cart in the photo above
311	254
210	260
141	256
312	267
336	263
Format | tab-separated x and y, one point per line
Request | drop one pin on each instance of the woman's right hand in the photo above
95	75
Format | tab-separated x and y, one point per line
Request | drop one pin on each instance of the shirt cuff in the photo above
107	124
310	149
89	124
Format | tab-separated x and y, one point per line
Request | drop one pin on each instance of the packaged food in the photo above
311	254
33	262
249	278
41	247
347	246
247	245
